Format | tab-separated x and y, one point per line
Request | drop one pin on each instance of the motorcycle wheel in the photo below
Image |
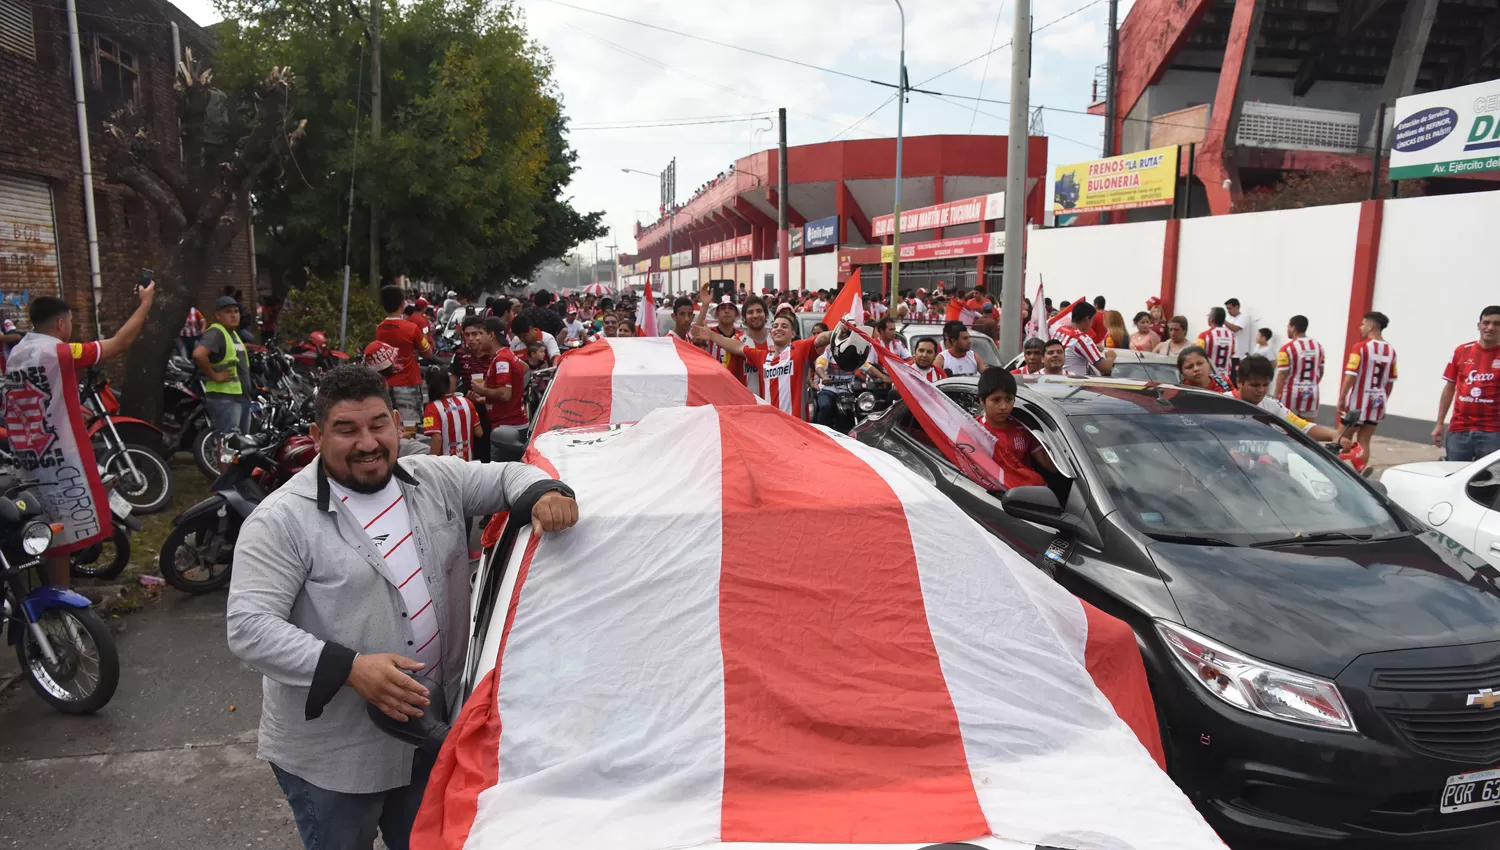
195	558
103	560
206	453
88	666
151	490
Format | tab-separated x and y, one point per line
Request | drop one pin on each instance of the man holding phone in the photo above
220	355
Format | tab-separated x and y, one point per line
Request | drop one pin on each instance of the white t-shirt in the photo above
966	365
1244	338
387	522
574	328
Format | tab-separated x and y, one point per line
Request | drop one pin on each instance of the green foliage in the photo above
316	307
472	160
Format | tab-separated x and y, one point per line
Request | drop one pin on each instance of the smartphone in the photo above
722	288
144	277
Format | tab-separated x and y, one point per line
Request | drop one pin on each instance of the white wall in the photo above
1122	262
1278	264
822	272
1437	271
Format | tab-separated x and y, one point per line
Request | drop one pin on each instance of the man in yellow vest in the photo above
225	365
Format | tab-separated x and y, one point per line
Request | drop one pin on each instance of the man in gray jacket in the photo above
349	575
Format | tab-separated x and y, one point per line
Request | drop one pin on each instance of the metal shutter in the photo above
28	244
15	28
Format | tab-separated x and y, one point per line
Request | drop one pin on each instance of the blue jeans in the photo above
332	820
827	408
229	413
1471	445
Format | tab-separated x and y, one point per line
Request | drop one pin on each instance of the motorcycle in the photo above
108	558
314	356
64	648
186	423
196	555
128	448
875	399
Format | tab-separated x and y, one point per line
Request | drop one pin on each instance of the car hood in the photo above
1429	469
1315	608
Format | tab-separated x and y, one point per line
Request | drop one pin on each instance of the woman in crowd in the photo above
1177	337
1196	371
1114	328
1158	316
1144	338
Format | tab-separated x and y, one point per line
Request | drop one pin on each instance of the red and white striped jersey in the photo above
1301	361
1080	352
932	373
195	324
785	374
732	363
1218	343
750	374
1373	365
452	418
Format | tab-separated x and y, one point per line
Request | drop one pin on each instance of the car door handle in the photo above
1495	547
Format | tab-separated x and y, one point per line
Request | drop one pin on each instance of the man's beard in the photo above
354	485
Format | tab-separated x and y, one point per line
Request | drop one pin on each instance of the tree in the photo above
473	156
201	199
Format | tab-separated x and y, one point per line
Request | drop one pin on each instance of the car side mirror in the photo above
427	732
1040	505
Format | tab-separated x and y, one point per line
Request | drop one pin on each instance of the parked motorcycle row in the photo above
62	644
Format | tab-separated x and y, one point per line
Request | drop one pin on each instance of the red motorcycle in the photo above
128	448
314	355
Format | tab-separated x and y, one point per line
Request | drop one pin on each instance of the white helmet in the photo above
849	349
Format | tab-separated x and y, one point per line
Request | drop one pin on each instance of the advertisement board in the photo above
979	244
794	240
969	210
1132	181
820	233
716	252
743	246
1447	133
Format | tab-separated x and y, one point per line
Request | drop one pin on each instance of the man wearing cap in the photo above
725	313
220	355
987	322
573	328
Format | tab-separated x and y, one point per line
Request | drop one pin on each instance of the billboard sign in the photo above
980	244
969	210
1132	181
742	246
1447	133
821	233
716	252
794	240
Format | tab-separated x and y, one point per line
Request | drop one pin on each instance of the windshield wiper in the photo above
1190	539
1317	537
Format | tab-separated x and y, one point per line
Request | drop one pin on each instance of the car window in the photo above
1239	478
1484	487
983	347
1135	370
970	402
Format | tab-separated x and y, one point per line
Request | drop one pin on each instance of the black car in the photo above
1326	670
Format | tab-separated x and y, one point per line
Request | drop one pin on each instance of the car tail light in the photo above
1256	686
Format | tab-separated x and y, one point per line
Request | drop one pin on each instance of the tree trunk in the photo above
146	362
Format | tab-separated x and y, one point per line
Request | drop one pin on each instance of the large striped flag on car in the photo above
966	443
621	379
760	631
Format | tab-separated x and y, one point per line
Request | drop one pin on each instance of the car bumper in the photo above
1258	780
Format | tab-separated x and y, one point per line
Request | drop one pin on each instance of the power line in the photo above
994	31
1050	23
753	116
868	116
666	124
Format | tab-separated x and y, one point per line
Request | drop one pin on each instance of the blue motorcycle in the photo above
65	649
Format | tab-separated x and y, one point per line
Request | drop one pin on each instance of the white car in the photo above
1459	500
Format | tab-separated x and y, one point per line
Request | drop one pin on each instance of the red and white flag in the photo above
1057	320
961	439
695	664
645	313
1037	324
621	379
848	304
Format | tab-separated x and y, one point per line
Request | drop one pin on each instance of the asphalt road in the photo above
166	765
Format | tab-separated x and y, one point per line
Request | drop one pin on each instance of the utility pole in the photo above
1014	279
783	246
895	294
1111	68
375	137
669	200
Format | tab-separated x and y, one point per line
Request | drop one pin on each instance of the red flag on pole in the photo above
849	304
645	313
960	437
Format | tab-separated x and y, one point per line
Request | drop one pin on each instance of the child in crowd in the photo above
1017	451
451	422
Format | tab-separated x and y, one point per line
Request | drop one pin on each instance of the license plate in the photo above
118	504
1475	790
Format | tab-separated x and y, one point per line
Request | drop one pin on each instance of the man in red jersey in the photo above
784	367
408	393
1472	387
1299	369
1369	377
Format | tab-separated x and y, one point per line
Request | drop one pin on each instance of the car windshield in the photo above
1239	479
983	347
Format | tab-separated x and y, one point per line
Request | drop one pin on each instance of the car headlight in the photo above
1255	686
36	537
865	402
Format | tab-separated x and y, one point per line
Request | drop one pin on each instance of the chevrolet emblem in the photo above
1486	698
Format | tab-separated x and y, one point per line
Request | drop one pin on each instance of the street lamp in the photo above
638	171
900	117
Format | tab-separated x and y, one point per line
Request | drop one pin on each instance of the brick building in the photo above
127	57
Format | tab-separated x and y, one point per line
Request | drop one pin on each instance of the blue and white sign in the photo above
820	233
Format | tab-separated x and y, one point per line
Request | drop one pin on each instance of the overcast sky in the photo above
613	73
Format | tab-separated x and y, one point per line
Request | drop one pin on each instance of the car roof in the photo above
1091	396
